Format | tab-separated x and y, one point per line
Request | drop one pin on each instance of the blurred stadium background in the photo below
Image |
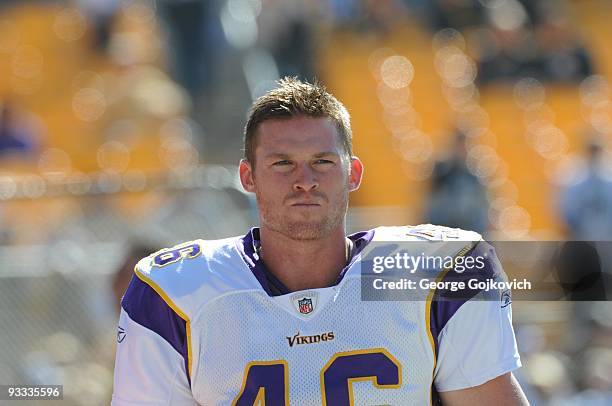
121	126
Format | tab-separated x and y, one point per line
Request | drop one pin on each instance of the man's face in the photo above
302	177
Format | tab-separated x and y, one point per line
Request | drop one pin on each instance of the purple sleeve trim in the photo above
446	303
147	308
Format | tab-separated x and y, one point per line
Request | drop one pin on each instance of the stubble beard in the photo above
302	230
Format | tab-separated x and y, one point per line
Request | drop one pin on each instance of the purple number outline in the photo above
344	368
261	382
261	378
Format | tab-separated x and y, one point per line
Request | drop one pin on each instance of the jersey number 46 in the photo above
267	382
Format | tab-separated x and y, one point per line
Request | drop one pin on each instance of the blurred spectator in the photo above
19	133
457	198
101	15
586	203
343	13
578	268
457	14
384	16
562	58
516	39
506	55
372	16
506	47
286	29
194	39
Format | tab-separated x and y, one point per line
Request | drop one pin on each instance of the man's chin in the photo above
308	230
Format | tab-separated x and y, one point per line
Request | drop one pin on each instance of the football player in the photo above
276	316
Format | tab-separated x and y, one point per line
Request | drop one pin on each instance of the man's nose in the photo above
306	179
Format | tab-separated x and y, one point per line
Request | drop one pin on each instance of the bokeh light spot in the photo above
397	72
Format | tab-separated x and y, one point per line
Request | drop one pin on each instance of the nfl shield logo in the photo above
305	302
305	305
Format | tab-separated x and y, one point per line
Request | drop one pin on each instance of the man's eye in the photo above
281	163
323	161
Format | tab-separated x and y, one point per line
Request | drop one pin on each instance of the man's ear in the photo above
246	176
355	174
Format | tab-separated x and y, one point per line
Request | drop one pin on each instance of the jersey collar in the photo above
249	246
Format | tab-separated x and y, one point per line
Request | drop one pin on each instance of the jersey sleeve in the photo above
475	339
152	360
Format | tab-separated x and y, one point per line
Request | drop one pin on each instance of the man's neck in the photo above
304	264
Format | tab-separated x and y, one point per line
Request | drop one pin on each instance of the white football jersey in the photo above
200	324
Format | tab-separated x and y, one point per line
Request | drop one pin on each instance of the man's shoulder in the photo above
194	272
184	256
424	232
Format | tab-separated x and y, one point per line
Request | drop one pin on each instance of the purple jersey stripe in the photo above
360	241
248	247
446	303
147	308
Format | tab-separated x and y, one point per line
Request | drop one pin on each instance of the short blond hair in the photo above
294	98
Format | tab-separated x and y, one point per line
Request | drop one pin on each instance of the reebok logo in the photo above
120	334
